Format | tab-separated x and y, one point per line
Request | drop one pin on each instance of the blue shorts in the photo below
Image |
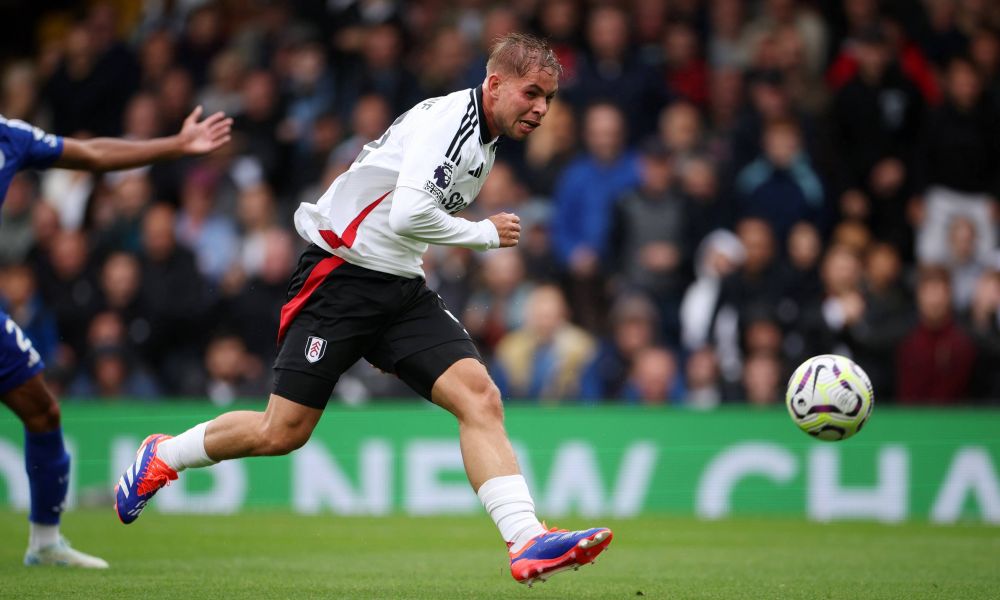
19	361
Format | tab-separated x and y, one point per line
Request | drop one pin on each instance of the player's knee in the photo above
47	417
484	405
278	441
493	403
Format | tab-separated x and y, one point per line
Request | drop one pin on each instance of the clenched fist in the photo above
509	227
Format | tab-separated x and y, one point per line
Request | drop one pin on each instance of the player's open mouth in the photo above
528	126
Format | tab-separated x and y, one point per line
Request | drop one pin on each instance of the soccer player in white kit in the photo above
359	292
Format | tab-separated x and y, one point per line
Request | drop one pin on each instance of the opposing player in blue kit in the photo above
22	387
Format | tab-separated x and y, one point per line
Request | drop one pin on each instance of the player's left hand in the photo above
508	228
205	136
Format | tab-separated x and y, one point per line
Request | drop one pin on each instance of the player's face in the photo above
522	102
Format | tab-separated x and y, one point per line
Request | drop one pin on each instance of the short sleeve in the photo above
433	151
35	148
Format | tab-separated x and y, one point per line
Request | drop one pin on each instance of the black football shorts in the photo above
338	312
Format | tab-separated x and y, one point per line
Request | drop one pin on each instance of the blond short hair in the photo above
520	53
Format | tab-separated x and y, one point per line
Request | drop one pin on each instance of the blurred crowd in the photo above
721	189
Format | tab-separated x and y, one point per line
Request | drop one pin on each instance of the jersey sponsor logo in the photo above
454	203
315	348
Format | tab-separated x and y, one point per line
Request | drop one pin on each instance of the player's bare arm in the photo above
109	154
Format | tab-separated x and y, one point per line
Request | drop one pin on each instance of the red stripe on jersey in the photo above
351	232
316	277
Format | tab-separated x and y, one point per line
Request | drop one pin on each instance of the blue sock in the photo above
47	463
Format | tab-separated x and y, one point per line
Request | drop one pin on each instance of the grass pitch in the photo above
278	555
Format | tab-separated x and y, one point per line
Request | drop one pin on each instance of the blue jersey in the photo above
22	146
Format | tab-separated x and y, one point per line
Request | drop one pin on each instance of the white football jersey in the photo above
441	146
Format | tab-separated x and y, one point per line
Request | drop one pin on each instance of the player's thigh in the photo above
34	404
21	386
466	390
432	373
313	355
422	341
335	324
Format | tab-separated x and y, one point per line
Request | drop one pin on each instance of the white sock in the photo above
186	450
42	536
510	506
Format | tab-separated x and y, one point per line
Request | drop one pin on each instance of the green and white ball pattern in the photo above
830	397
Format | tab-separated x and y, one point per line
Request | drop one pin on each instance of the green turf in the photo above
276	555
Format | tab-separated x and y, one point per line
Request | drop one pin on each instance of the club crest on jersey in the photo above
442	175
315	348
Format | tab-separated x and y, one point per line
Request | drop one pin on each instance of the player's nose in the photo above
540	107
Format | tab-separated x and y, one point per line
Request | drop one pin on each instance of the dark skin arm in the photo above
110	154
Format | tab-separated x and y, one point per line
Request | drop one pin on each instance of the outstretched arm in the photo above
110	154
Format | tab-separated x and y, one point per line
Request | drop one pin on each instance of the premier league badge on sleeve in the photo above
442	175
442	179
315	348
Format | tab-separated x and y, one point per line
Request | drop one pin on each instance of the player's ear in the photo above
493	82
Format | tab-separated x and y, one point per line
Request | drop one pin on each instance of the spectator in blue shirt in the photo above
584	202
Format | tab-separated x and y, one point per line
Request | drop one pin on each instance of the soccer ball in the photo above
829	397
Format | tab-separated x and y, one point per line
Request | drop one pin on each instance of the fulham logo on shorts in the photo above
315	348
